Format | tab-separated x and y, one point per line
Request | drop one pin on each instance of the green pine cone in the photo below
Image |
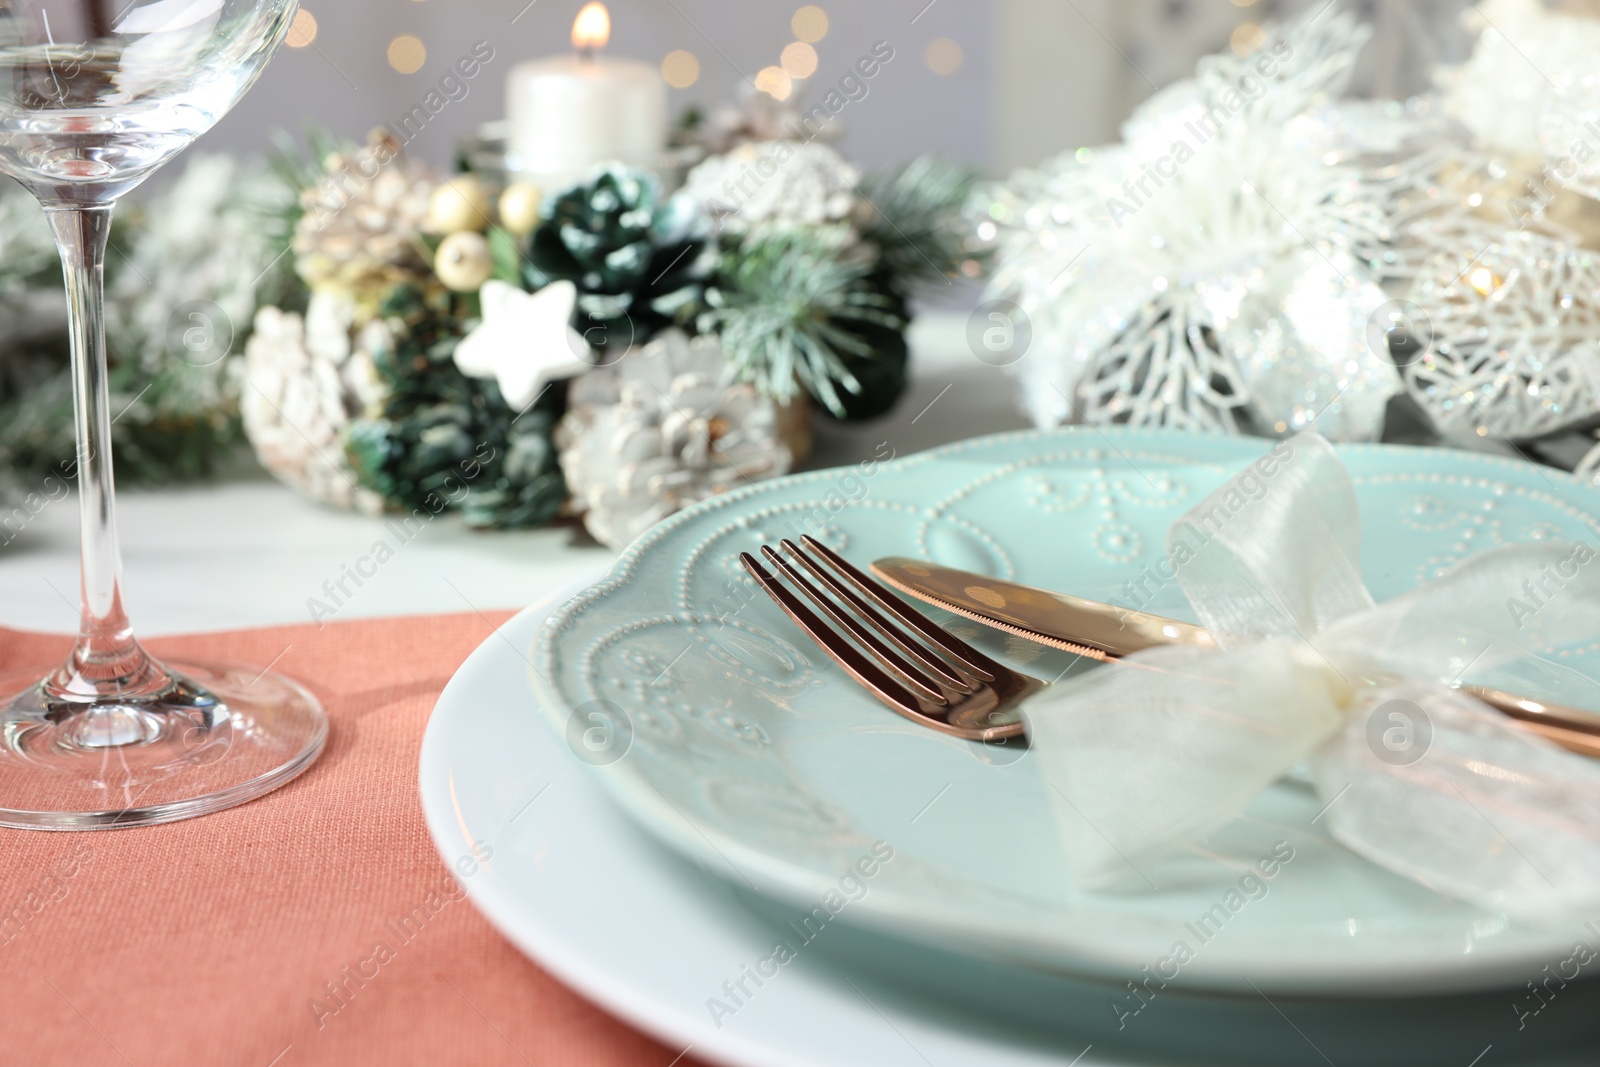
637	261
446	441
523	485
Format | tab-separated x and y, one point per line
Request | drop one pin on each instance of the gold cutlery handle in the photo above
1106	631
1572	729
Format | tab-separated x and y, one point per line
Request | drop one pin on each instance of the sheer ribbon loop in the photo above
1417	776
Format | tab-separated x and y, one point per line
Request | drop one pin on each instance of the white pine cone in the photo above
304	380
661	430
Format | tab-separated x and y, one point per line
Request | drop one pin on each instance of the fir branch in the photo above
199	240
790	307
918	225
301	167
27	248
298	167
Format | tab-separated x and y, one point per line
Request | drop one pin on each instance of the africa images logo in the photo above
1252	886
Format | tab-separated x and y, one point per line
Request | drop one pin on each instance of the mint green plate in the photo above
726	734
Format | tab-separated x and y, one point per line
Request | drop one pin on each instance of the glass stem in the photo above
106	659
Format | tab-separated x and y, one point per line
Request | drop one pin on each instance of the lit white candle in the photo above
568	113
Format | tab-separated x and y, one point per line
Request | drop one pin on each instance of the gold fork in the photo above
904	659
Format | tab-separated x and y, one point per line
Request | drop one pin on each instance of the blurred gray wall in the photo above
343	80
1037	77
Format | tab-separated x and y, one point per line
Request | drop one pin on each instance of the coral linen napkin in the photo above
239	938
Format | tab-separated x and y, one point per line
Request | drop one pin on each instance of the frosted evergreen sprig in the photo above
918	225
789	306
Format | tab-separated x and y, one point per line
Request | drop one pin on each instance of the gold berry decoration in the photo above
462	261
519	208
458	204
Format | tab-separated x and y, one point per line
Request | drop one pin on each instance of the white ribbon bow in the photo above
1417	777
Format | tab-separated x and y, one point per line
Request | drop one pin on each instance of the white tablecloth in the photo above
250	552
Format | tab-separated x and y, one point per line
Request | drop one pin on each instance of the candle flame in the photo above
592	28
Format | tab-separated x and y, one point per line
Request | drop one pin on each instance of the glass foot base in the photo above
213	736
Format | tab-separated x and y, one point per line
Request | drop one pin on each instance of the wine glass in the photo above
94	96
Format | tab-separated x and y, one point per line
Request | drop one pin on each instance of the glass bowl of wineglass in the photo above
95	96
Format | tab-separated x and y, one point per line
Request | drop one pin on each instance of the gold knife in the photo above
1107	632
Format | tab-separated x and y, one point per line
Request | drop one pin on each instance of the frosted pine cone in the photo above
660	431
781	184
304	380
361	222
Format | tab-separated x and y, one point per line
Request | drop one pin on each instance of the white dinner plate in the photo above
578	888
596	902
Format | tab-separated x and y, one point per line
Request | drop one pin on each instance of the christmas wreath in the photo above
613	349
